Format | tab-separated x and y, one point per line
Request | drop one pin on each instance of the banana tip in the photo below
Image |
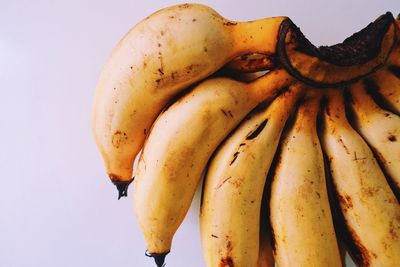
122	187
159	258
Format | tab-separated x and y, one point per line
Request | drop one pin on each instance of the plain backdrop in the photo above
57	207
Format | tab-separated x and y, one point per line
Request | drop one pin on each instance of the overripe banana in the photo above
301	217
369	208
234	184
179	145
381	130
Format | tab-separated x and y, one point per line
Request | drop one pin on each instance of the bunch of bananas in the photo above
300	145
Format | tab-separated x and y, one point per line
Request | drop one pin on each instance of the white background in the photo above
57	207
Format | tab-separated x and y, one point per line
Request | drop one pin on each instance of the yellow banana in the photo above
234	184
180	45
301	218
156	60
369	208
381	130
179	145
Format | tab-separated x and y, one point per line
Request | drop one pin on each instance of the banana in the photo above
156	60
387	84
178	46
369	208
381	130
301	219
234	184
179	145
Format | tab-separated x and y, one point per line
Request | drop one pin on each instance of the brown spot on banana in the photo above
257	131
345	202
252	63
234	157
119	138
392	138
344	146
226	262
224	181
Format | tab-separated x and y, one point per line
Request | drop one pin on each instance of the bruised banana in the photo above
381	130
234	184
178	46
301	218
370	210
179	145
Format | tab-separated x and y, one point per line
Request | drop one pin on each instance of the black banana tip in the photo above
122	187
159	258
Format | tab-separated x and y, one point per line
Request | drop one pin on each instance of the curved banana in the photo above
179	145
177	46
381	130
369	208
301	217
157	59
234	185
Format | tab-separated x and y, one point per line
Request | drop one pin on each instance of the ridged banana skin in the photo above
180	144
157	59
301	219
369	207
234	185
387	82
380	128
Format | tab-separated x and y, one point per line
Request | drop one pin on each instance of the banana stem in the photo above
259	36
338	65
